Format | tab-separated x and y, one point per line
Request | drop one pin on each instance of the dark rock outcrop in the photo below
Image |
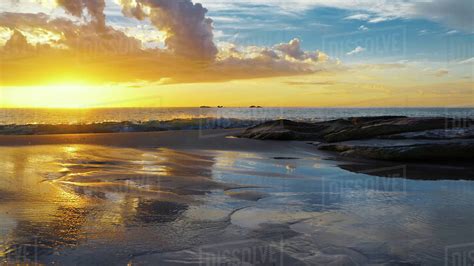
447	151
344	129
291	130
387	127
436	134
376	137
288	130
415	170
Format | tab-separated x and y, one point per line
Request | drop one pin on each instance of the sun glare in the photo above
64	95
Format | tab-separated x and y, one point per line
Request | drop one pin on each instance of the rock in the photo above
284	158
387	127
415	170
395	138
436	134
412	151
291	130
344	129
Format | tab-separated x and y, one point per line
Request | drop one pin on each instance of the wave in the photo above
128	126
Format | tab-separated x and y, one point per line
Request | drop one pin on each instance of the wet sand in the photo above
181	139
200	197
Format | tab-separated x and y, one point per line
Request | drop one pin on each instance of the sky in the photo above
163	53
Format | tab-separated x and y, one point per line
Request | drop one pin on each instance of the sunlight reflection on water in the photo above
71	200
72	116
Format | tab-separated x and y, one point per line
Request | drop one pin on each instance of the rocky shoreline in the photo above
392	138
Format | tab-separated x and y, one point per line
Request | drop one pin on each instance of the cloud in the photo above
374	18
441	72
226	19
188	30
382	66
358	17
363	28
95	8
454	14
467	61
80	51
356	50
293	50
17	44
83	38
423	32
277	60
310	83
380	19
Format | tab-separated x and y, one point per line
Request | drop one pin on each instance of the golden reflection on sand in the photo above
77	200
63	194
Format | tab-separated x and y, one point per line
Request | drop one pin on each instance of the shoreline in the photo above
224	140
214	139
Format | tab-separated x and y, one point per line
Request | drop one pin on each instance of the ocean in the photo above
90	116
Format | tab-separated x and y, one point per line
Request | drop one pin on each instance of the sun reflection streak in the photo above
71	149
48	3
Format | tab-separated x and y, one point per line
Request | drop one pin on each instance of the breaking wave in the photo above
128	126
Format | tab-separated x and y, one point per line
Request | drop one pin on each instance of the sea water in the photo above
88	116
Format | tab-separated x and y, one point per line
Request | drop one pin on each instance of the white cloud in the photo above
467	61
370	18
363	28
441	72
358	17
357	50
380	19
422	32
223	19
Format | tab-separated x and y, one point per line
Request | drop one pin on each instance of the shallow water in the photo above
93	205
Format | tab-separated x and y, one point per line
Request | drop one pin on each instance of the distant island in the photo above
205	106
255	106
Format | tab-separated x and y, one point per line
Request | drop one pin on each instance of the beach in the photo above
209	198
267	133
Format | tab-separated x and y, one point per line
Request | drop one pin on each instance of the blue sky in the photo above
415	38
354	31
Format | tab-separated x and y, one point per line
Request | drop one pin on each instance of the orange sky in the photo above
48	61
